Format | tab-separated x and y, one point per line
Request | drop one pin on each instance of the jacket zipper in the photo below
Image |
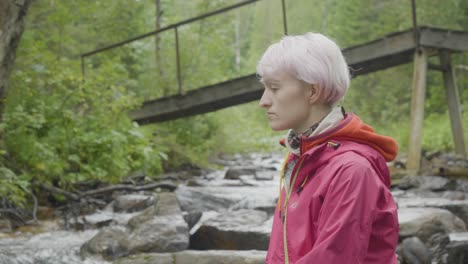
285	208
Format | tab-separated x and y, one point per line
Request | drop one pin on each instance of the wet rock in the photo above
433	183
168	233
462	185
454	195
108	243
234	230
192	218
457	249
160	228
424	222
266	203
457	207
194	199
220	256
235	172
133	202
437	244
413	251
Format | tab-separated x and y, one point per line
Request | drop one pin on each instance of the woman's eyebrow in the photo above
271	82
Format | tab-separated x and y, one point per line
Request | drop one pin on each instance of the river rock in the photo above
108	243
133	202
266	203
160	228
234	230
424	222
199	199
437	244
192	218
433	183
235	172
413	251
457	207
458	248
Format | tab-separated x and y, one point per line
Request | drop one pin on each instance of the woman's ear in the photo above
313	94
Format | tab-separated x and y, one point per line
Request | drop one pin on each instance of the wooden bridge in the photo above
391	50
414	45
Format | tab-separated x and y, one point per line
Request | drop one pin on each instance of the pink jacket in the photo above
339	209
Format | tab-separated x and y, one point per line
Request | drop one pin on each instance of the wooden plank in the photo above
453	101
202	100
444	39
417	111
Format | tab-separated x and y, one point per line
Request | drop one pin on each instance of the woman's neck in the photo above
317	113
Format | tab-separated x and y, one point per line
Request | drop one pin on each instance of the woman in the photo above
334	206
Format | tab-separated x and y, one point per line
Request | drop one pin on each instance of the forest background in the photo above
60	128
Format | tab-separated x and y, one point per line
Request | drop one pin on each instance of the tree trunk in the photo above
159	13
12	14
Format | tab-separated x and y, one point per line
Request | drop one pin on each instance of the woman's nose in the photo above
265	101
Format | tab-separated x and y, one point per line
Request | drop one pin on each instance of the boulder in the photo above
234	172
160	228
457	248
168	233
234	230
433	183
424	222
199	199
108	243
457	207
413	251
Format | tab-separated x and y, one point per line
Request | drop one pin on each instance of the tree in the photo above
12	13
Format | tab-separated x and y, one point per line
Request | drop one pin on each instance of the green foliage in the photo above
14	187
74	130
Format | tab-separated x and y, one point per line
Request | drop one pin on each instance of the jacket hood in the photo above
352	128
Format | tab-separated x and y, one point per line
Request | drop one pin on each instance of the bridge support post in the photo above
417	111
453	102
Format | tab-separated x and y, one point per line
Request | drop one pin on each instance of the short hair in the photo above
312	58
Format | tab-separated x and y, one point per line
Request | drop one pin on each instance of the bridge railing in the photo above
175	28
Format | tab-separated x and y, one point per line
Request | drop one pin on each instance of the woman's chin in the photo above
277	127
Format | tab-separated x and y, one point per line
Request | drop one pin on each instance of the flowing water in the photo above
55	247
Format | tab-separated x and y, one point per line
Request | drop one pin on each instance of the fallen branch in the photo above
126	187
53	189
120	187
